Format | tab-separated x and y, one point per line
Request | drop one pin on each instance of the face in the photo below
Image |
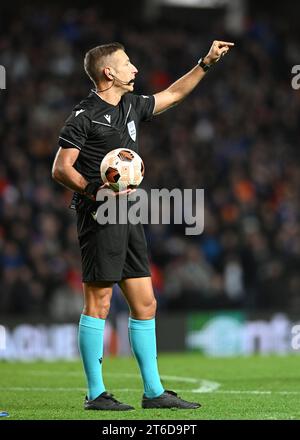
121	67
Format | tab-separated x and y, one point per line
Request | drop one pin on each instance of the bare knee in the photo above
145	310
97	301
97	311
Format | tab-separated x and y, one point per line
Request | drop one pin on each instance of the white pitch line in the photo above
41	389
61	389
204	386
258	392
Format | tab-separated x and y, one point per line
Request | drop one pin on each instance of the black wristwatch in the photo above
91	190
204	66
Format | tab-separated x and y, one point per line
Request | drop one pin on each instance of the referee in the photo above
109	118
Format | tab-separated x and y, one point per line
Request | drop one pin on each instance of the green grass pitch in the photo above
254	388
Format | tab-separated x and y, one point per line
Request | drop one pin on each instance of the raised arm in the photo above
184	85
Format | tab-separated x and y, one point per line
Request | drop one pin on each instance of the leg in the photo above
97	298
140	297
98	263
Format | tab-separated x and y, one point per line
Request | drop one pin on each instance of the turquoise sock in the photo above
90	341
143	343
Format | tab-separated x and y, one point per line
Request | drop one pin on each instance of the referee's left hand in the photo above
113	193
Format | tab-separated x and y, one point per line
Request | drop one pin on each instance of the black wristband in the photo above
91	189
204	66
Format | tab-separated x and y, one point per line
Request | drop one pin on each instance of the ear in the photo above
107	73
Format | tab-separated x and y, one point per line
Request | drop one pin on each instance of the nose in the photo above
134	70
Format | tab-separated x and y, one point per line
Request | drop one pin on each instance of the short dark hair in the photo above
93	58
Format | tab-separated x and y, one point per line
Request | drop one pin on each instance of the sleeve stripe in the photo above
69	142
102	123
127	114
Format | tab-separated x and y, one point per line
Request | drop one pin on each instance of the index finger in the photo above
225	43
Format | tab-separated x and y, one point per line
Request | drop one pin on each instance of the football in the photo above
122	169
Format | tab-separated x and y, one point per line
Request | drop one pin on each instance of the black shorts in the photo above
110	252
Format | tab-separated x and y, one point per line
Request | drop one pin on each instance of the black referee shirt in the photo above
96	127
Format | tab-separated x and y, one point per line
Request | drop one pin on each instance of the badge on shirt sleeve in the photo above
132	130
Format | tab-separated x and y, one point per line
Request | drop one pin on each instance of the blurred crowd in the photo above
235	136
